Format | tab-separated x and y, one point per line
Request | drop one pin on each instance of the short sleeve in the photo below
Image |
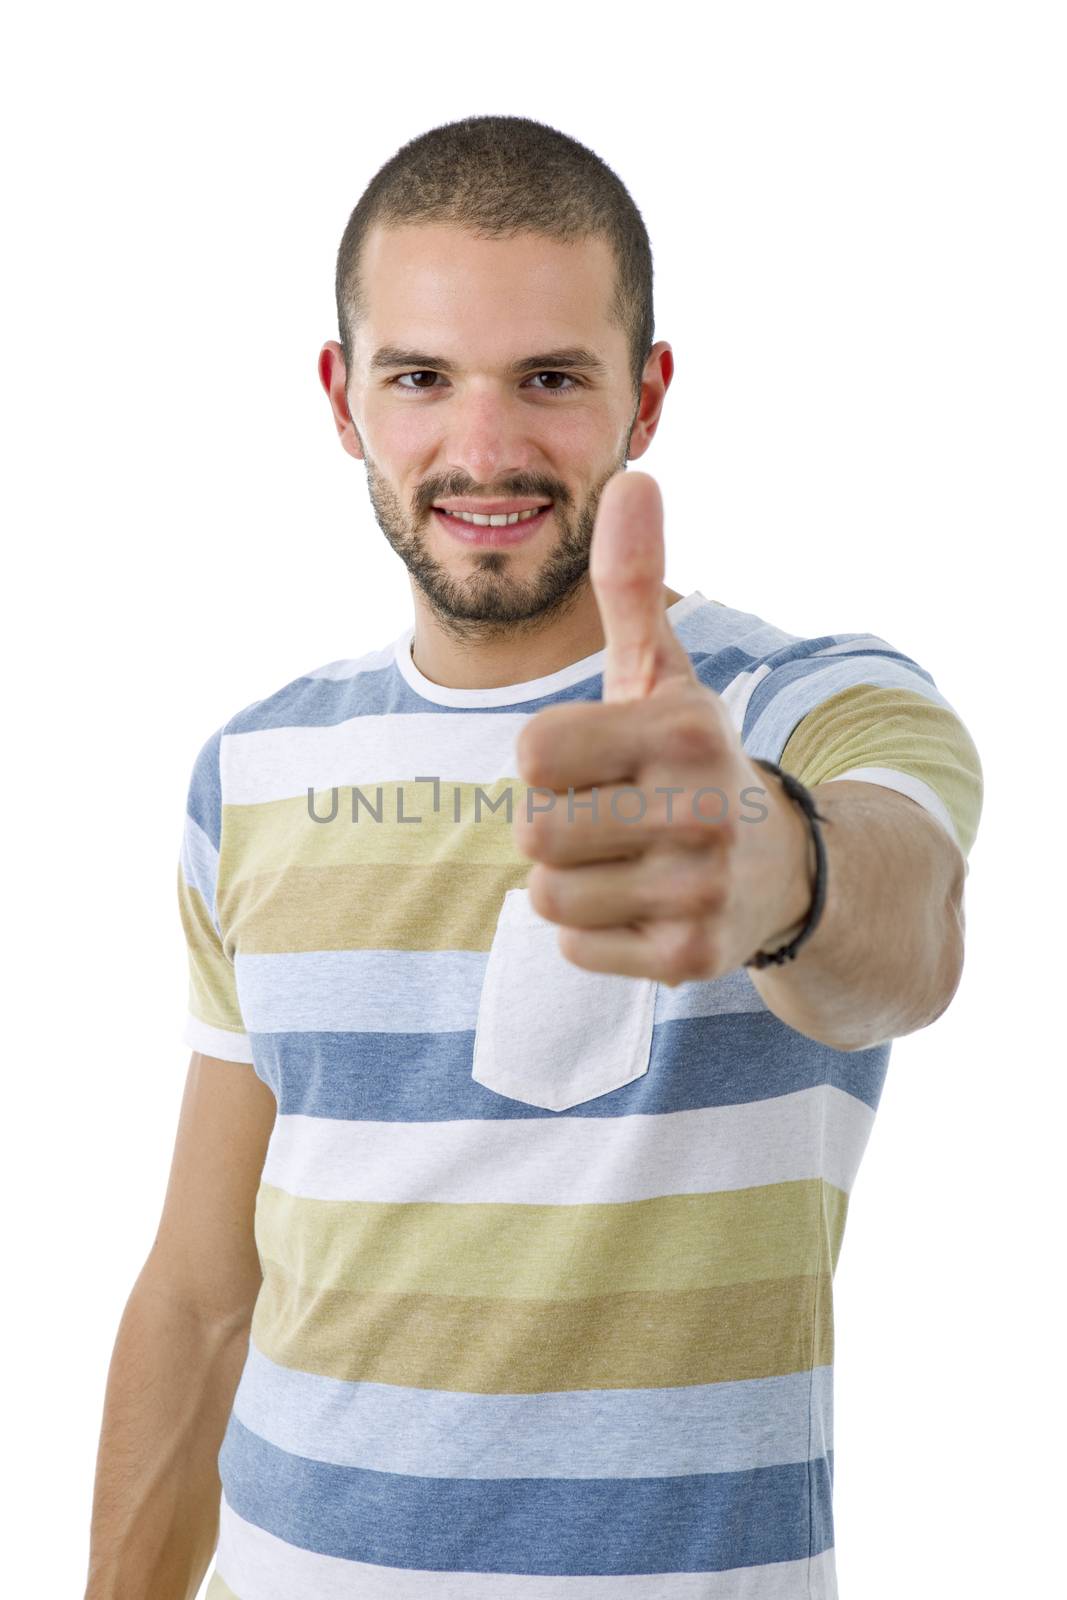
214	1024
854	707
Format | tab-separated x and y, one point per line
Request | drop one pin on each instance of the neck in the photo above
478	655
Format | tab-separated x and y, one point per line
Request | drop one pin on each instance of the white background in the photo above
857	218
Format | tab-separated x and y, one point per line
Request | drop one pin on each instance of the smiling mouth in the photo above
495	519
471	528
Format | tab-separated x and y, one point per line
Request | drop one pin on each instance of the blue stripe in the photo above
204	802
780	700
719	671
696	1062
693	1522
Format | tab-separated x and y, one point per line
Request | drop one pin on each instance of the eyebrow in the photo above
574	358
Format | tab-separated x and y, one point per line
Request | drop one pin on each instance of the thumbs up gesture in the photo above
649	853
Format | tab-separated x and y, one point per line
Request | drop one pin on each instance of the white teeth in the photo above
500	520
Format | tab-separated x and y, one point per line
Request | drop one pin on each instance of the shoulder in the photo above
849	704
322	694
769	676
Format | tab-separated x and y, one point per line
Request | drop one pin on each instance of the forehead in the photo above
438	286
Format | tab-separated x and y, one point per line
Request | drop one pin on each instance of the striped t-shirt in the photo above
504	1351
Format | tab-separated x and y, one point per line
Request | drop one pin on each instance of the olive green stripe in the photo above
212	990
864	726
724	1334
669	1245
447	906
270	835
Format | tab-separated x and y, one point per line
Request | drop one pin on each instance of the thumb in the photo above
626	561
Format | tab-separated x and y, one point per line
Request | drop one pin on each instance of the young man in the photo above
498	1251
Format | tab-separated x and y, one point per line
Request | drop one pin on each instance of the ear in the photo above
655	381
334	380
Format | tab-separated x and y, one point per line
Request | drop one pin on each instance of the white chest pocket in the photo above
549	1033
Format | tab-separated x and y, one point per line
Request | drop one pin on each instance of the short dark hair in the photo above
496	177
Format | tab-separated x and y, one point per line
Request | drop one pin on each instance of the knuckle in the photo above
686	829
544	896
726	835
532	749
700	822
536	837
571	943
706	890
691	735
687	952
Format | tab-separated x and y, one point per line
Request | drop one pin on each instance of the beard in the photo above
489	601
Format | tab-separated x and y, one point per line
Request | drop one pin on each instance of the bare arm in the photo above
180	1348
887	955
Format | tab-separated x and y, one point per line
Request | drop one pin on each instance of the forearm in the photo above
170	1387
886	956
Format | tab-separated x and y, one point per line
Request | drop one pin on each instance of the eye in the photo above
565	375
421	388
400	385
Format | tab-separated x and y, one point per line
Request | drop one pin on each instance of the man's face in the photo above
438	415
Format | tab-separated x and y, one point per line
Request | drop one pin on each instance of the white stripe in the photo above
218	1042
729	1426
541	1161
714	629
904	783
259	1566
360	991
739	692
529	689
281	763
419	991
200	862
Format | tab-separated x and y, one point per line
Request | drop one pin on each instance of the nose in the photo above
488	437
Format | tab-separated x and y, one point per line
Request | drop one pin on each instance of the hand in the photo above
650	884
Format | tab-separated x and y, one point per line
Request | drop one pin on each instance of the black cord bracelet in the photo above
796	791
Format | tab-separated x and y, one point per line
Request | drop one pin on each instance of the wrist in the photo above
796	876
